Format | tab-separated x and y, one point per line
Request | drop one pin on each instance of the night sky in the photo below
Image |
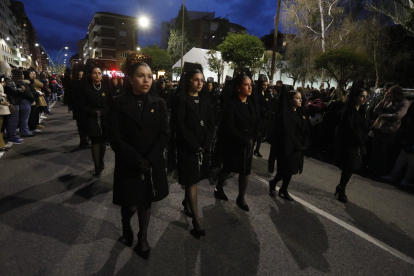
63	23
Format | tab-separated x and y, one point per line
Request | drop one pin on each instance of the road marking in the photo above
349	227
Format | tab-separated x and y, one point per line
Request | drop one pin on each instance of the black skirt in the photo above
290	164
95	127
237	160
189	170
348	158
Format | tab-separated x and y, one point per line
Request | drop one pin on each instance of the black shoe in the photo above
102	165
197	233
219	194
4	149
242	205
98	171
285	195
272	188
127	233
143	254
186	209
340	194
257	153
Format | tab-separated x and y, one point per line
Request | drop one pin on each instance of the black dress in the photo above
138	133
195	130
239	126
351	140
290	144
95	107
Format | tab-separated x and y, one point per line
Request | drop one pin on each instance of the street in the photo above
56	218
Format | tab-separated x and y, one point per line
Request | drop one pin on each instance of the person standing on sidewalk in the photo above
291	138
25	105
4	111
352	137
195	130
138	131
237	136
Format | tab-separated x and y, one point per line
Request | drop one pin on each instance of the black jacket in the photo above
134	137
195	130
351	140
14	94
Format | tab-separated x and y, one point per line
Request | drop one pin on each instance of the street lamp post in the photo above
66	48
144	22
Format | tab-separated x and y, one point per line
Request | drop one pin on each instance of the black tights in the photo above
192	202
286	180
98	151
345	177
243	181
144	214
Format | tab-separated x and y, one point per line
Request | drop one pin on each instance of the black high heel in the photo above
285	195
102	164
258	154
197	233
98	171
186	209
127	233
219	194
143	254
242	205
272	188
340	194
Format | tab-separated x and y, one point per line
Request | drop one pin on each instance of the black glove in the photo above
144	166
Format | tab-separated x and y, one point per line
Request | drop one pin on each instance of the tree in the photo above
343	65
399	11
216	64
188	28
161	60
267	63
241	49
222	31
174	45
177	72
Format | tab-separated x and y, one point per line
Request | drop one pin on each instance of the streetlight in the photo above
36	44
138	48
65	47
143	22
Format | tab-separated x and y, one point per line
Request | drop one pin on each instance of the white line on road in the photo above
349	227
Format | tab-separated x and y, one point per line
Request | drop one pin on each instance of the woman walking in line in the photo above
94	102
238	133
138	132
195	130
293	137
352	137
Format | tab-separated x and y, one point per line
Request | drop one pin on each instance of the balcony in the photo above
101	23
98	35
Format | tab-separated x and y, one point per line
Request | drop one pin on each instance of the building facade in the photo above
110	37
204	28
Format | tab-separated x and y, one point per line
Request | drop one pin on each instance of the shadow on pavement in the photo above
389	233
230	247
302	233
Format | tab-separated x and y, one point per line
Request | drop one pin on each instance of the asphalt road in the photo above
56	218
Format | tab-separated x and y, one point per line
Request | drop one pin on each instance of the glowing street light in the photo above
144	22
138	49
66	48
36	44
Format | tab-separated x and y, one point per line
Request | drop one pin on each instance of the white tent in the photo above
197	55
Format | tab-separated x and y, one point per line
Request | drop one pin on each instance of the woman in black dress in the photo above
352	137
138	132
195	130
94	102
237	136
290	140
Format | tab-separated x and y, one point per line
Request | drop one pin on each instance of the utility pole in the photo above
275	39
182	39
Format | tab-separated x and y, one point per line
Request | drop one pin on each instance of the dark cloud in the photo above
63	23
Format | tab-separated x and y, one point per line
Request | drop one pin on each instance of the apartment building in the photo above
110	37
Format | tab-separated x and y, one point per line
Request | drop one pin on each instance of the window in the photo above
122	33
124	55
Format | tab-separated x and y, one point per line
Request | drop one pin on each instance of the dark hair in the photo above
292	94
316	95
397	92
239	80
132	68
279	82
17	74
388	85
184	85
87	77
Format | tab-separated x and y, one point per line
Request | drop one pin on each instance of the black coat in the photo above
290	142
351	140
195	130
135	137
330	122
239	125
91	101
265	105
